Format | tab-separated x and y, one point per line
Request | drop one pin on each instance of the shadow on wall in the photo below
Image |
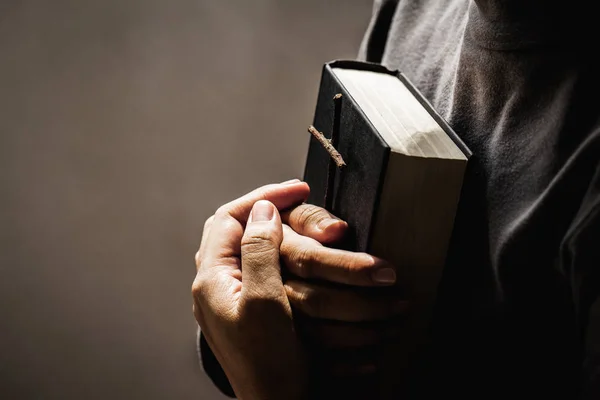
123	125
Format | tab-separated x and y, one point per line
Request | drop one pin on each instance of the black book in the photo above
401	182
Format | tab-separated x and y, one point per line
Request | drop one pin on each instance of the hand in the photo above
345	302
239	298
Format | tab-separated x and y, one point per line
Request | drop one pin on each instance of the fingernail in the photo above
326	223
290	182
262	211
384	275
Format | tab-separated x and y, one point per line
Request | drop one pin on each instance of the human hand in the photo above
345	302
240	302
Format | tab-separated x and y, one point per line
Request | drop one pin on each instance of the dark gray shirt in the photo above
518	313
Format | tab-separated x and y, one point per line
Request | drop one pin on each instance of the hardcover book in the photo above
389	165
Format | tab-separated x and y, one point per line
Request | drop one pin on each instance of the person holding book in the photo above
518	309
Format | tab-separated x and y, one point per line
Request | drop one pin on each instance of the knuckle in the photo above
208	223
222	211
347	269
229	224
309	214
302	261
209	297
258	239
259	243
199	287
357	268
198	258
262	191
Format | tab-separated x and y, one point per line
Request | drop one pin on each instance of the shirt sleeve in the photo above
211	366
581	257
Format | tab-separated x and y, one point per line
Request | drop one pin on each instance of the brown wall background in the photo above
123	125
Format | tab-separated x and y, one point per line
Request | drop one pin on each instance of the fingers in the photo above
307	258
218	258
345	373
343	304
283	195
222	245
261	271
351	365
315	222
334	335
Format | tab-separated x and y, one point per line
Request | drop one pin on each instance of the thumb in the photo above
261	270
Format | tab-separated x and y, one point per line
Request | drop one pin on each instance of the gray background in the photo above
123	124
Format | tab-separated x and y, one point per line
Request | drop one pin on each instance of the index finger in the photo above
227	228
282	195
307	258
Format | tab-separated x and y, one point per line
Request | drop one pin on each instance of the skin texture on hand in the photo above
240	302
343	303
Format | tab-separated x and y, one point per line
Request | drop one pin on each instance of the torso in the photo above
524	104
